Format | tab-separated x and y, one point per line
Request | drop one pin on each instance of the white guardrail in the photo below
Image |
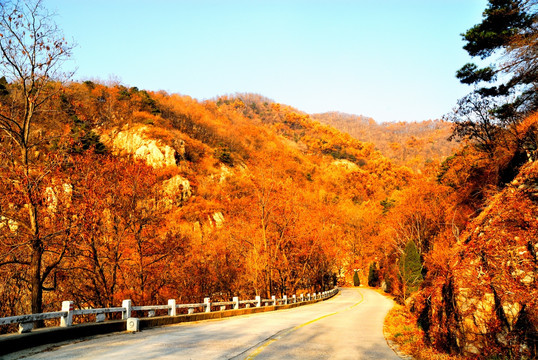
67	313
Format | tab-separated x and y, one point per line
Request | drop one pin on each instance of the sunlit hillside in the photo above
414	144
152	196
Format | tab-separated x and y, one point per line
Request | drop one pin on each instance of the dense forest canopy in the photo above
413	144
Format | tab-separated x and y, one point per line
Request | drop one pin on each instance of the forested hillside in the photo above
413	144
152	196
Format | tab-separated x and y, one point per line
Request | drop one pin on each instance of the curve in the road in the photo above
347	326
280	335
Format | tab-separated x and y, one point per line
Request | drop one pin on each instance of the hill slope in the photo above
410	144
151	196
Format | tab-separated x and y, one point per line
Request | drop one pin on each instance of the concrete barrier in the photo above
16	342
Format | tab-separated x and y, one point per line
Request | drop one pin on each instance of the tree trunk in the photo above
35	278
36	254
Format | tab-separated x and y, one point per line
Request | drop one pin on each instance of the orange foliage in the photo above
411	144
276	203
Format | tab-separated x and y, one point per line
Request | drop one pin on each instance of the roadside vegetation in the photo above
407	337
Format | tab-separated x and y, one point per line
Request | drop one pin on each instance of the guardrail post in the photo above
308	297
258	301
301	298
285	298
273	298
236	302
127	307
207	302
173	310
294	298
68	319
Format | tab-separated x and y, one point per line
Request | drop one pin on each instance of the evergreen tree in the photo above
509	28
3	86
410	269
373	275
356	280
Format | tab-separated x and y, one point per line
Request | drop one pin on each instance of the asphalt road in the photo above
348	326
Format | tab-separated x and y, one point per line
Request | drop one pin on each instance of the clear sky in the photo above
393	60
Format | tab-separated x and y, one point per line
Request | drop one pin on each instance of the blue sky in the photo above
393	60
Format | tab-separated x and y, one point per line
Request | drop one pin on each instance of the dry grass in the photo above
401	328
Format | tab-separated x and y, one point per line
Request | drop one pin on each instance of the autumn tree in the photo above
122	246
32	51
275	216
418	215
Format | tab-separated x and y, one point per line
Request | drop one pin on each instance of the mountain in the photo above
412	144
151	196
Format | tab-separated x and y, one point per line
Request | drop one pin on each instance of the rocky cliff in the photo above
137	141
488	301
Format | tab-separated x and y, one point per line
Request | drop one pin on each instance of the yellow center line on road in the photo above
262	347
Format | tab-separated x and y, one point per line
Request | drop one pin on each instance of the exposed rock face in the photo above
135	141
345	165
54	194
177	189
225	172
488	302
217	219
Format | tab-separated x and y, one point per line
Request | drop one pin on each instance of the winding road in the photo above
348	326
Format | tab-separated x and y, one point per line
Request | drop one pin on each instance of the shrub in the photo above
373	275
356	280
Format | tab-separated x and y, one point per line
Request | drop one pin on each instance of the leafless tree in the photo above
32	50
